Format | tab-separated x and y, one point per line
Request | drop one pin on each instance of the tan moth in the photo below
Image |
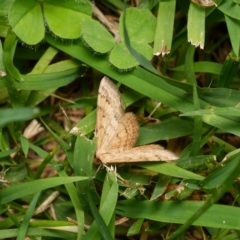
117	131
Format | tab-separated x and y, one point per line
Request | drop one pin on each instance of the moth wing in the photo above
126	135
117	132
139	154
109	113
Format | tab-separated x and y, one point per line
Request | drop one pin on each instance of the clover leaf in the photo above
27	18
140	24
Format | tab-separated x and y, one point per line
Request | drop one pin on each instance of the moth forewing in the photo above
109	113
139	154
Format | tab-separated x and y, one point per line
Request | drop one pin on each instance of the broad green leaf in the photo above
196	25
227	124
13	232
63	17
122	63
138	56
140	25
110	180
27	188
47	80
26	20
220	97
203	66
121	58
234	32
230	8
164	29
84	150
38	96
172	128
171	170
228	111
96	35
17	114
218	216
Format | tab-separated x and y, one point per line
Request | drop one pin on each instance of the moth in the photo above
117	131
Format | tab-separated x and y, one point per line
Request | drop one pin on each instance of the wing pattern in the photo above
117	131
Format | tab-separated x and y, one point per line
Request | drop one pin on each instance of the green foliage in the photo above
53	171
140	24
62	17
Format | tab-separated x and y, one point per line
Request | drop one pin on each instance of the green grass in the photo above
56	83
